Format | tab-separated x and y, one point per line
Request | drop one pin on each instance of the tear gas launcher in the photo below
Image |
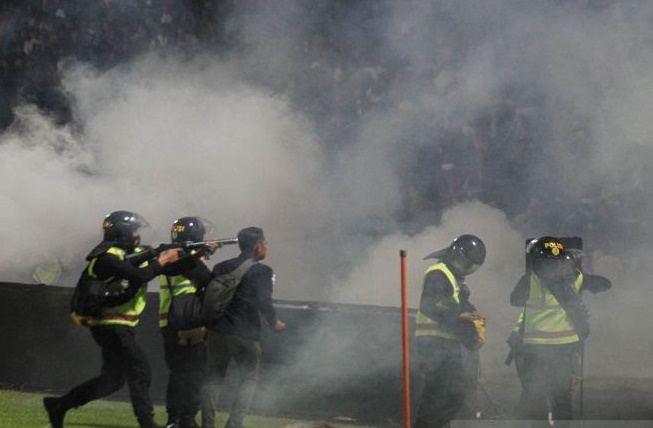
188	247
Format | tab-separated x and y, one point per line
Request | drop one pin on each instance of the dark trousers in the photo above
246	354
444	381
122	361
547	375
187	365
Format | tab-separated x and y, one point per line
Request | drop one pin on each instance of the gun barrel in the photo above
227	241
189	245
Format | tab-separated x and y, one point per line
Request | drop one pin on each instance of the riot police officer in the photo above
444	321
184	345
553	325
123	360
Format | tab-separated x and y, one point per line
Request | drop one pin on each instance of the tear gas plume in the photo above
222	139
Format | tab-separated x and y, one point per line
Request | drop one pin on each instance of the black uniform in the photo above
123	360
546	370
445	379
185	360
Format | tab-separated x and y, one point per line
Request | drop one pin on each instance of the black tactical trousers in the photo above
187	365
122	361
247	356
547	373
444	381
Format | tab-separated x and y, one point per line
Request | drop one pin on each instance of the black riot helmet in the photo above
572	264
464	256
576	258
549	259
188	229
119	228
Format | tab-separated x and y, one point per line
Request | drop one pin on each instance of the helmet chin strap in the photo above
461	272
452	267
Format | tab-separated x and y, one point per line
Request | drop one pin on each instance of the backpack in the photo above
185	312
91	295
219	292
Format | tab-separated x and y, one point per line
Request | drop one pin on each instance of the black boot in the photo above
173	422
188	422
56	411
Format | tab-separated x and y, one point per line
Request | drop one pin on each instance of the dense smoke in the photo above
220	137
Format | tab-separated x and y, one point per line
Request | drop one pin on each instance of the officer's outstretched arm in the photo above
595	283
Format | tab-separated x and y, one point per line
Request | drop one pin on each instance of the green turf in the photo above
25	410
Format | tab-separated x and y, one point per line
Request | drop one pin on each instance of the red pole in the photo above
405	337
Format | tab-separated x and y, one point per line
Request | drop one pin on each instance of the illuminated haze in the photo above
216	138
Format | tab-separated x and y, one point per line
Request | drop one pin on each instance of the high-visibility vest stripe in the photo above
127	314
546	321
542	307
121	317
548	334
425	326
172	287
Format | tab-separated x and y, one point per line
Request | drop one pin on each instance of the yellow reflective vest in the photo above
127	314
425	326
172	286
546	321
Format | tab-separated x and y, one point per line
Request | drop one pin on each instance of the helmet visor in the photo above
136	222
209	227
464	266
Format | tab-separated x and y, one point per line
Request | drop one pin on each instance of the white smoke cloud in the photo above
370	281
167	138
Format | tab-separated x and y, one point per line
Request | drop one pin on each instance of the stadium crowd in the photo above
338	83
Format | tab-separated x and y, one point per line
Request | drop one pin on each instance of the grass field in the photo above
25	410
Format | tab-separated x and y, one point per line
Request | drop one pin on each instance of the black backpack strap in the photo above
241	270
570	301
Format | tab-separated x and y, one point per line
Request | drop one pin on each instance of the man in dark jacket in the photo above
237	334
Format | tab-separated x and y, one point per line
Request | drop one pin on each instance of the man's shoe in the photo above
172	422
55	410
188	423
